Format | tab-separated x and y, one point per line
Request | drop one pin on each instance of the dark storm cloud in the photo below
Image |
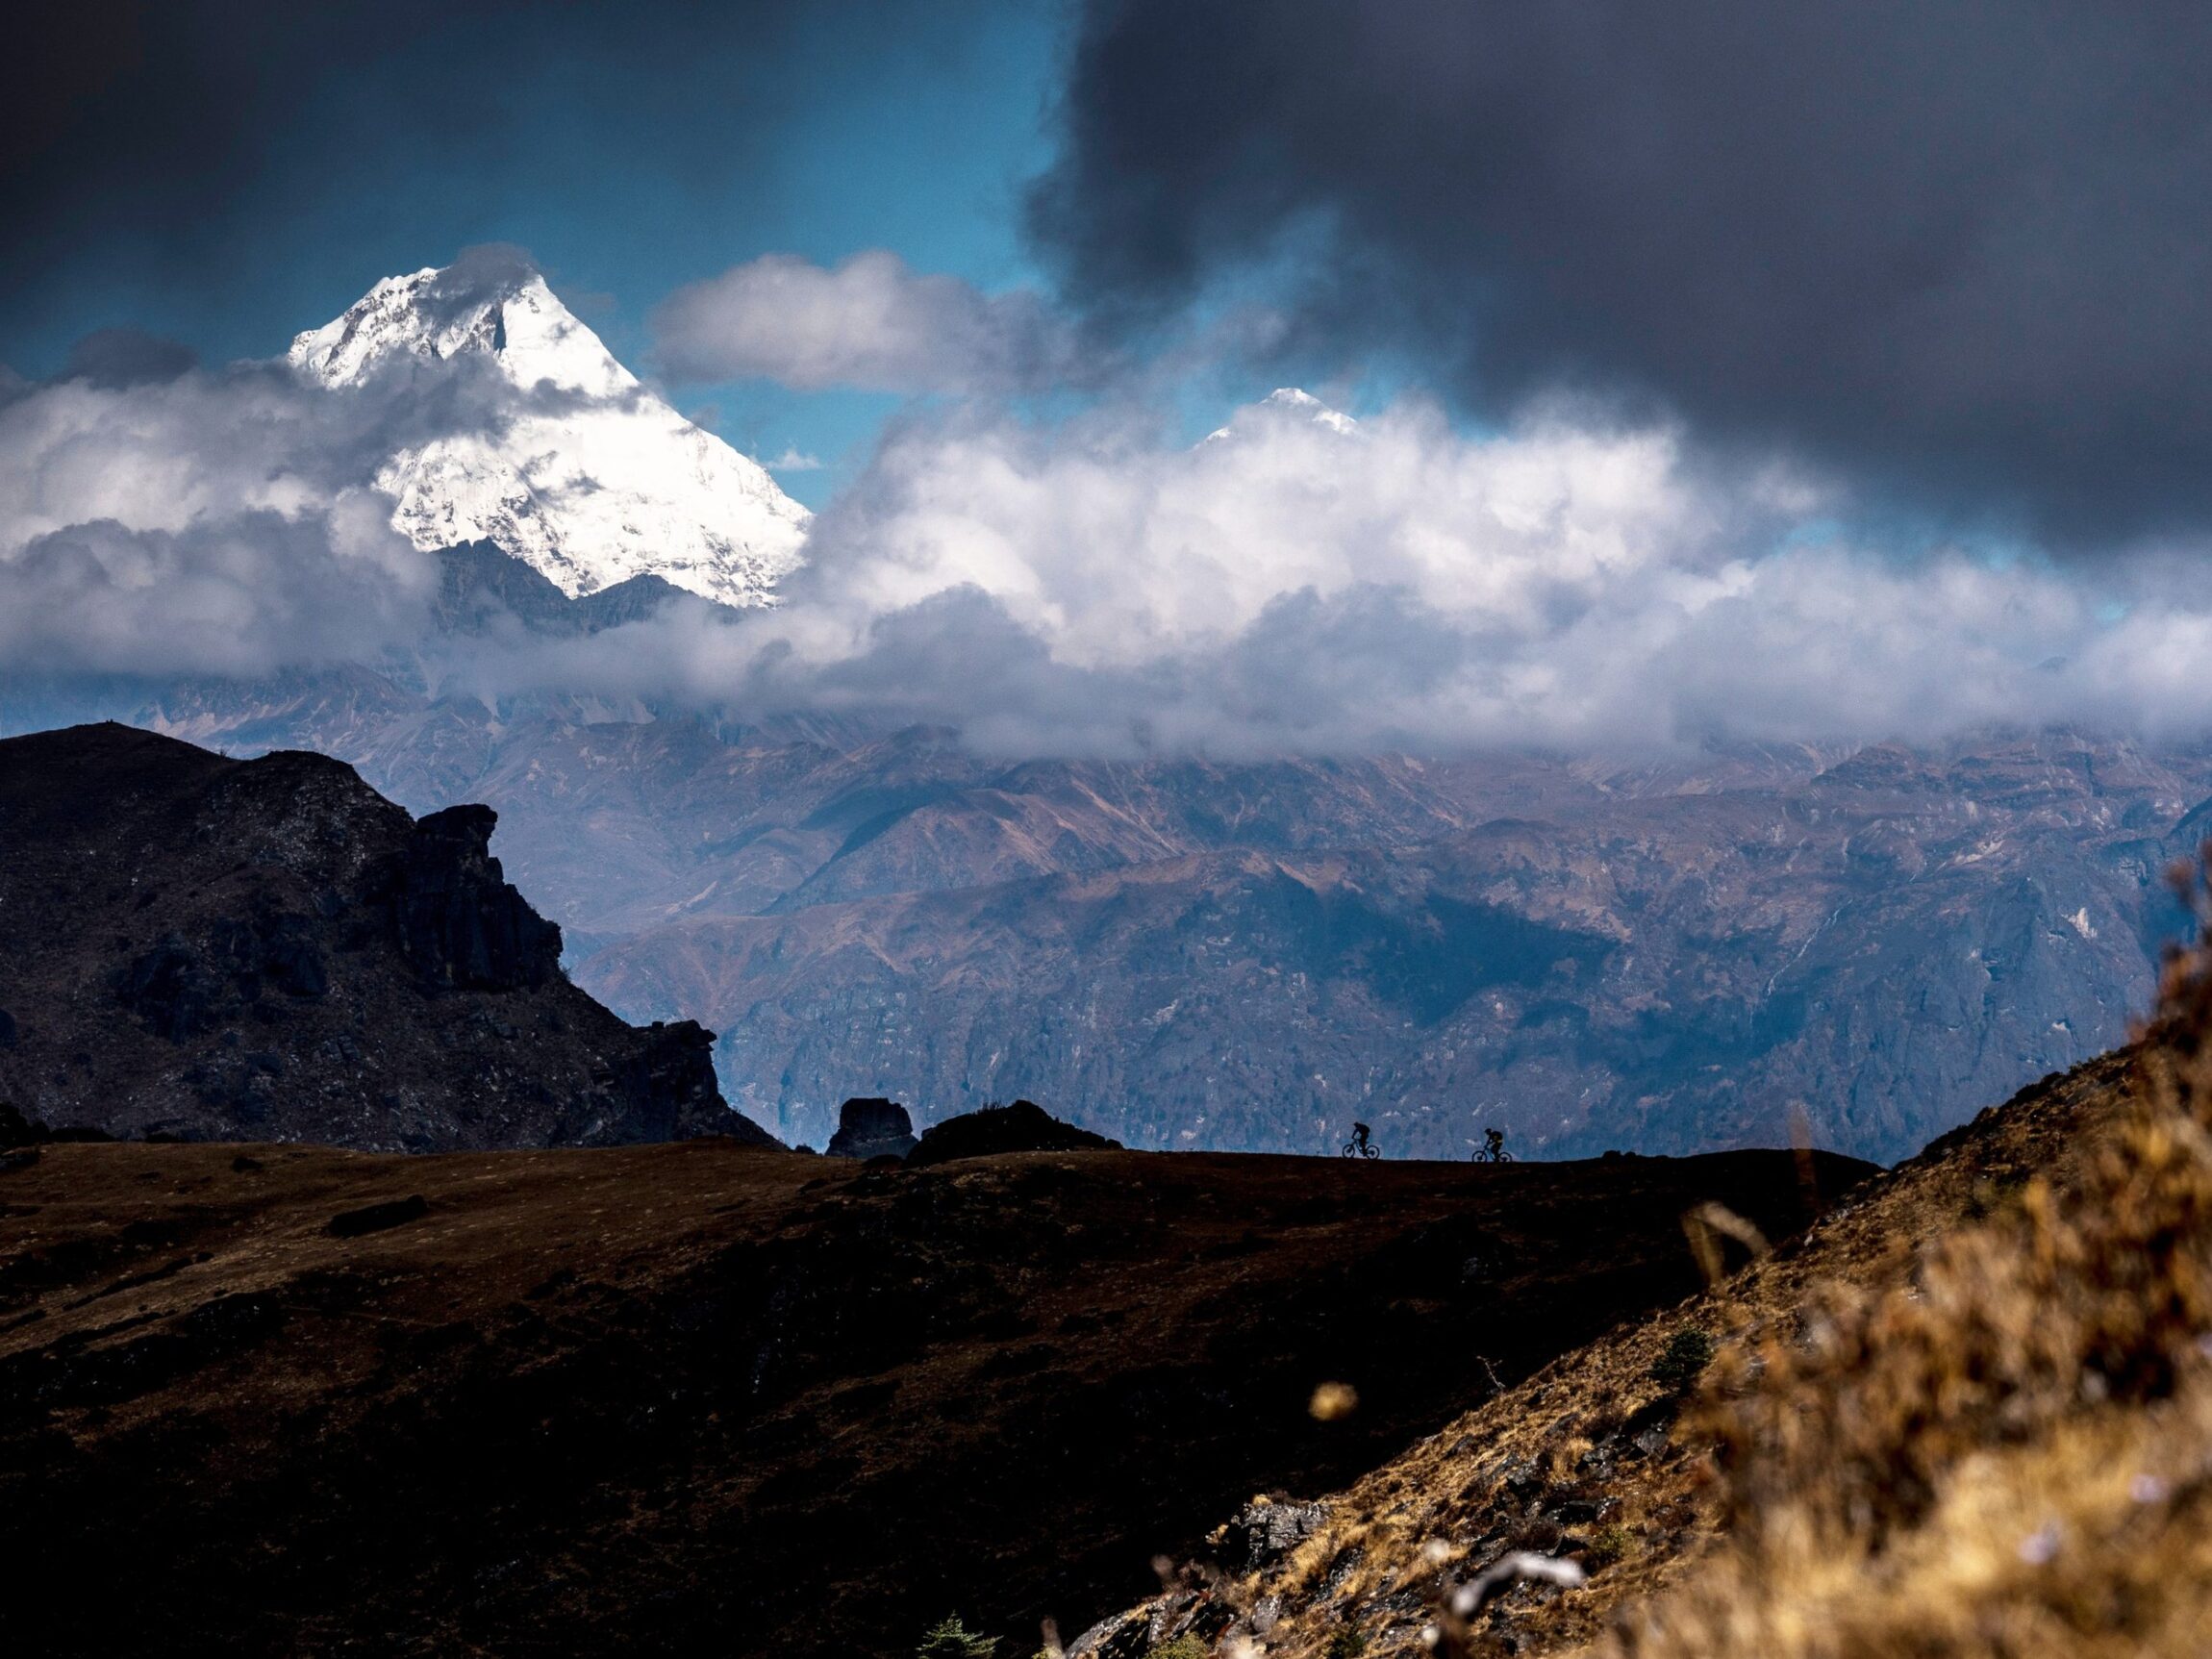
148	135
114	357
1956	246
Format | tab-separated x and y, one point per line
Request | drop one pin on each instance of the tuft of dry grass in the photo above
2011	1453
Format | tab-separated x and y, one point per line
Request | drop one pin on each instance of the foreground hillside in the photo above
702	1399
1968	1414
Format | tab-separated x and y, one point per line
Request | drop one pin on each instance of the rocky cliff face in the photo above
270	950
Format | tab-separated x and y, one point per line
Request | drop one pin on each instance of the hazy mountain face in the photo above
1886	944
1188	954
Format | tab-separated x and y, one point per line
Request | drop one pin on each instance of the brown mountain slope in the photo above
1893	943
702	1399
269	949
1892	937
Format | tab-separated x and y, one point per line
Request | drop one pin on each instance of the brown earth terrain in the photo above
1581	1458
706	1398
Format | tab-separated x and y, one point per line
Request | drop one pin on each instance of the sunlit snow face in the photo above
585	475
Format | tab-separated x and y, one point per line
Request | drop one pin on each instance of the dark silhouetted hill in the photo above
203	948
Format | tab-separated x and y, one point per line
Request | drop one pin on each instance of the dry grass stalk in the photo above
2011	1455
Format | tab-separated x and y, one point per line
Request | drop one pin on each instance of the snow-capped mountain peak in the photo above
590	488
1285	402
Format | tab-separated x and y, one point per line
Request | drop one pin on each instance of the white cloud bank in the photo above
1297	587
1088	587
870	323
209	522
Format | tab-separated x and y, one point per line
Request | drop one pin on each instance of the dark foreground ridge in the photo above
201	948
700	1399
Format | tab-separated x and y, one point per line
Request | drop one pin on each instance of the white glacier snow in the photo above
1285	402
585	475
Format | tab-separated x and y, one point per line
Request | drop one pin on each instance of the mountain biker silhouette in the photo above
1360	1145
1493	1148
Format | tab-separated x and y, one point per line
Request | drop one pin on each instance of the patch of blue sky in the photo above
625	180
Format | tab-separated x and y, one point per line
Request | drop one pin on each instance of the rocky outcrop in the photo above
201	948
459	921
1021	1127
1266	1530
872	1127
18	1131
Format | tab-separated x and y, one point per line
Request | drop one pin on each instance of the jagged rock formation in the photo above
481	588
268	950
872	1127
1021	1127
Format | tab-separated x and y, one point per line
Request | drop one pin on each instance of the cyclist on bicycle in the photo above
1493	1148
1360	1146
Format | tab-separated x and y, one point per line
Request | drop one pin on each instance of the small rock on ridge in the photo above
871	1126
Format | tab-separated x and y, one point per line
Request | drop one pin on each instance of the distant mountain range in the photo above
1184	953
1585	952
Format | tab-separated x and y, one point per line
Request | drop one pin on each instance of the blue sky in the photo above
820	131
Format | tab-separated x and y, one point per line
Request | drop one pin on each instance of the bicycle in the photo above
1361	1150
1493	1148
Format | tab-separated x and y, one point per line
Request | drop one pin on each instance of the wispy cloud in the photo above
870	323
792	460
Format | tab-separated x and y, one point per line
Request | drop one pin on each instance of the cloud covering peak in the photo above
1097	584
